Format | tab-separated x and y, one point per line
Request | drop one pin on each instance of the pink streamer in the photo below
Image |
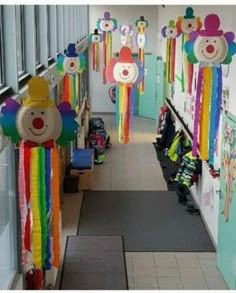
22	201
197	111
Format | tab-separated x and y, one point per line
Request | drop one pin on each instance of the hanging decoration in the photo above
142	24
126	35
95	38
170	33
71	64
106	25
126	72
185	25
38	125
211	47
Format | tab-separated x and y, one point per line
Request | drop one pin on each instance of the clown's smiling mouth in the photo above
39	134
125	78
211	57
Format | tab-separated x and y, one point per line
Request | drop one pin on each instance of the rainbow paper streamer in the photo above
95	38
106	25
126	72
142	24
211	47
185	25
72	65
170	33
38	176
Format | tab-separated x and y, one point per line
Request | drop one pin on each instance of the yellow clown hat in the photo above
38	89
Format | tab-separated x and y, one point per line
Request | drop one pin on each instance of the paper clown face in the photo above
189	22
141	23
170	31
72	62
95	38
211	45
125	69
126	32
107	24
37	120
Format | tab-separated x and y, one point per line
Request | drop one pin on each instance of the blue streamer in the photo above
213	115
117	105
219	96
48	206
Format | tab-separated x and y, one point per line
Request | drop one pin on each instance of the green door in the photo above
226	248
147	100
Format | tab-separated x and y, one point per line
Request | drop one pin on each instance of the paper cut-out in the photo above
210	47
95	38
126	72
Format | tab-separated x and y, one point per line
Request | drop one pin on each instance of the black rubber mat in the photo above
94	263
148	221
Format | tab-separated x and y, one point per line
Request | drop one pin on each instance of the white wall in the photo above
228	23
124	15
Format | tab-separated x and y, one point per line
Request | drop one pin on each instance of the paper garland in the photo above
106	25
141	39
38	125
71	65
95	38
185	25
211	47
170	33
126	72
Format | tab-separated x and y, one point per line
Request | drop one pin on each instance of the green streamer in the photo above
42	203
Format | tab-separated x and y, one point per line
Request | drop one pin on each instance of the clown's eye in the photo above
129	67
207	41
32	113
214	41
42	113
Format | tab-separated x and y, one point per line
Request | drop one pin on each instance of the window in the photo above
1	51
37	30
8	254
20	40
48	32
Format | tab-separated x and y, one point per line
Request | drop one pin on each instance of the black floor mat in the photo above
94	263
148	221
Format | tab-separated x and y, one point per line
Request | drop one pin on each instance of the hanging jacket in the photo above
167	131
189	167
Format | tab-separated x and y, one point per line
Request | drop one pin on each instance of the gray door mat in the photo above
94	263
148	221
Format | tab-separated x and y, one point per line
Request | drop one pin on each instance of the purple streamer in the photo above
197	111
132	99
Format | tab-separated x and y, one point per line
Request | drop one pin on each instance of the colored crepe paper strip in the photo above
141	24
211	47
185	25
71	65
95	38
170	33
106	25
126	72
38	176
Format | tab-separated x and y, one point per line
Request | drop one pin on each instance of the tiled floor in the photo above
135	167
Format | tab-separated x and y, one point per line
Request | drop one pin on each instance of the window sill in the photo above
23	80
39	69
5	92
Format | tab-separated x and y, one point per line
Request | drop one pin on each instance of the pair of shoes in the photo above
192	210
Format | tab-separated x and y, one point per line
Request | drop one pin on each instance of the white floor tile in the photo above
170	283
145	282
167	272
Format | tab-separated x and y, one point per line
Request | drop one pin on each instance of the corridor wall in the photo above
207	188
124	15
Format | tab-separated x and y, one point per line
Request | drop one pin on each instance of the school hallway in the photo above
134	167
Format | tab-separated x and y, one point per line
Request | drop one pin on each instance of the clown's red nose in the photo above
72	64
38	123
125	72
189	25
210	49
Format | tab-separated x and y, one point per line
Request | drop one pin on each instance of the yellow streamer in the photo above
56	207
205	113
36	230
